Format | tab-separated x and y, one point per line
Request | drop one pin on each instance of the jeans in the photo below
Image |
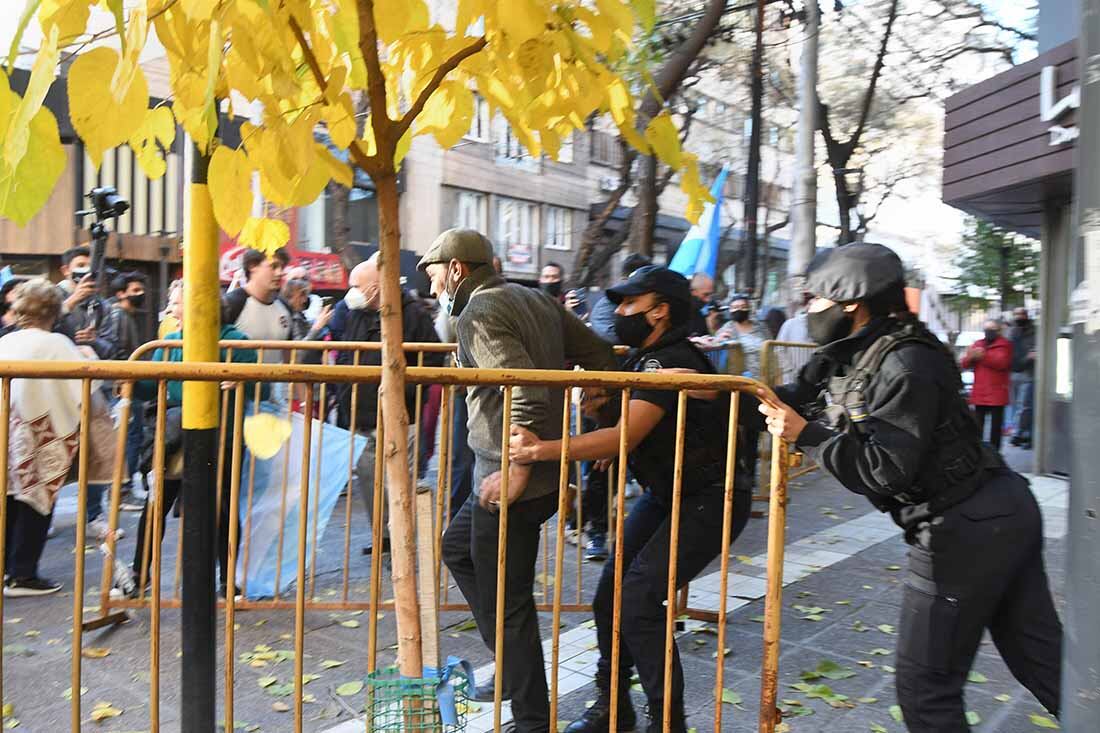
996	418
977	566
94	508
1022	400
364	473
25	537
462	458
135	435
646	535
470	552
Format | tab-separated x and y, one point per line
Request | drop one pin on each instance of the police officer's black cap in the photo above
653	279
853	272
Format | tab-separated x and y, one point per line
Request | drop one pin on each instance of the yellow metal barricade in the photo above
780	363
313	379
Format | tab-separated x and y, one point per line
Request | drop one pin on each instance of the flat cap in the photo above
853	272
652	279
464	245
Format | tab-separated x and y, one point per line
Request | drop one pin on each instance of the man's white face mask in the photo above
355	299
445	302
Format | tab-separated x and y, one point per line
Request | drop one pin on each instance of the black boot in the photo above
598	717
655	712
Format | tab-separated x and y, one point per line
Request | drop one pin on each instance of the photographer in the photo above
83	312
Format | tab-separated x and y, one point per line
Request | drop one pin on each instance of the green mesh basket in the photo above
396	703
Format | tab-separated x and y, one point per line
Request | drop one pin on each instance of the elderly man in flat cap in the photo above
506	326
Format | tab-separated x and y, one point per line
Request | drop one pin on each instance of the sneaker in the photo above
25	587
99	530
573	536
596	549
130	503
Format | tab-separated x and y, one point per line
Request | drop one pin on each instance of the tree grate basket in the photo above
396	703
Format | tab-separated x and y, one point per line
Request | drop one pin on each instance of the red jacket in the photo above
991	372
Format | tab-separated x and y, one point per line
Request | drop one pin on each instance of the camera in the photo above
107	203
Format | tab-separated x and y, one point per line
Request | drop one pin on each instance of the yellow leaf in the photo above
42	74
617	13
664	138
392	22
95	652
104	710
447	114
101	123
402	150
280	707
264	434
230	180
350	624
646	12
157	132
69	16
691	184
348	689
337	169
25	189
9	709
198	10
521	19
136	34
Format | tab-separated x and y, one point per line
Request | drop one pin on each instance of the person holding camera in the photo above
83	311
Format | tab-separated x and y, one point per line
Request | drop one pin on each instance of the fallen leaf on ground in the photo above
104	710
1003	698
876	728
895	712
280	707
972	717
330	663
95	652
828	669
893	567
266	681
350	688
1042	721
879	652
730	697
867	700
977	678
350	624
886	629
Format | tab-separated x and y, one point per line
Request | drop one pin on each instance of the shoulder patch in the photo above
651	365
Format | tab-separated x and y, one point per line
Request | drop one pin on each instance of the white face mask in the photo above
445	302
355	299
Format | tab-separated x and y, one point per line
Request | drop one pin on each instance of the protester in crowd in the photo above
255	308
550	280
742	330
991	359
7	297
880	409
602	320
794	331
772	319
1023	376
295	296
84	320
702	290
43	438
653	317
128	301
506	326
364	323
168	322
82	310
173	445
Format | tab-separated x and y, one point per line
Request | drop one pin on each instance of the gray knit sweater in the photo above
502	325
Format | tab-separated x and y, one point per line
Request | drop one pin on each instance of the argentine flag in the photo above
699	250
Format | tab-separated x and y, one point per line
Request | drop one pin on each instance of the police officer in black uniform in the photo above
653	315
880	407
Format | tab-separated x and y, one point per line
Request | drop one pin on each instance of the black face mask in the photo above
991	336
739	316
1022	321
552	289
632	330
829	325
137	300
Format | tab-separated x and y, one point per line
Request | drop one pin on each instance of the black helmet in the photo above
853	272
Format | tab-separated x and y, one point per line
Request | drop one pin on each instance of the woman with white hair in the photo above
43	437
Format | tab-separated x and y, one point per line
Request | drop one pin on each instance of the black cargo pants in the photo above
646	537
977	566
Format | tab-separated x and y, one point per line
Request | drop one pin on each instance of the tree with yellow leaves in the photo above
545	65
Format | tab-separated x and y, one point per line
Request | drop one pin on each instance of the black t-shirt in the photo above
706	425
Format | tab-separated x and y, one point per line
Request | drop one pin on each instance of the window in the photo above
565	152
471	211
605	149
507	147
517	226
479	125
559	228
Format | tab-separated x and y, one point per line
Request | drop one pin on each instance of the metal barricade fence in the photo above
780	363
253	376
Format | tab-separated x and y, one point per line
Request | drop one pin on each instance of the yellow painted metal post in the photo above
201	326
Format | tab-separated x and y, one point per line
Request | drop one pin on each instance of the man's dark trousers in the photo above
977	566
470	552
646	533
462	458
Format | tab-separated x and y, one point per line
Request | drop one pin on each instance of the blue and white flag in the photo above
699	250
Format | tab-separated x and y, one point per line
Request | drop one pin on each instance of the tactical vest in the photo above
955	463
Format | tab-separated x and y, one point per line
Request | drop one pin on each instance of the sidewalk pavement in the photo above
844	565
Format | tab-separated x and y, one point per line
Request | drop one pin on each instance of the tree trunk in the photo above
339	200
752	178
592	241
844	205
643	220
395	424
